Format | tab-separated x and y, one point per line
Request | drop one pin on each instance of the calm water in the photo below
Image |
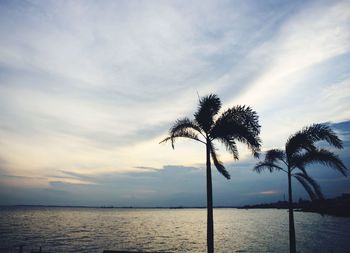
177	230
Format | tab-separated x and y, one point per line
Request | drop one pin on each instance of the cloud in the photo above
88	89
146	168
305	71
271	192
64	185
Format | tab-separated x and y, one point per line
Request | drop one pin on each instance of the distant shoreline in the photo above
338	206
121	207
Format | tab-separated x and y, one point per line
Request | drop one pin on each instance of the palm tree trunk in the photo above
210	225
292	246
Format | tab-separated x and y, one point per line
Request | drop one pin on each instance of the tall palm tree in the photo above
239	123
300	151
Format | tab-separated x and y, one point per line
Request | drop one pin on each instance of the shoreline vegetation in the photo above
337	206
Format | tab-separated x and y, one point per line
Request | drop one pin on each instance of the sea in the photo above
67	229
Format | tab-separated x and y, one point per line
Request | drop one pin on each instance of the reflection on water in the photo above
178	230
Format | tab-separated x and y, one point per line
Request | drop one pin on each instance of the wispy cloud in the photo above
271	192
90	88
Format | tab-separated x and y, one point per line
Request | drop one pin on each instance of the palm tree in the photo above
239	123
300	151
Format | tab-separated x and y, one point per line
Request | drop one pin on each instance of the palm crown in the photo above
300	151
239	123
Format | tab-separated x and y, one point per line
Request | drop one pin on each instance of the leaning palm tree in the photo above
300	151
239	123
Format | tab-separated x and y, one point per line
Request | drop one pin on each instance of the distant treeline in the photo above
338	206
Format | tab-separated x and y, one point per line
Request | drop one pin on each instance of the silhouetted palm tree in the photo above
300	151
239	123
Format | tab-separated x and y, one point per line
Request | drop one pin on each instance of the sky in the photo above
88	89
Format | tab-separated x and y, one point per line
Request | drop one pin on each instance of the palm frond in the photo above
306	138
298	142
208	107
301	168
322	132
306	187
184	134
263	165
230	146
321	156
253	142
184	123
274	155
315	186
183	128
238	123
218	164
239	115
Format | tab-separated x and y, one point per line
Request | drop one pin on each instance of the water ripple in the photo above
174	230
